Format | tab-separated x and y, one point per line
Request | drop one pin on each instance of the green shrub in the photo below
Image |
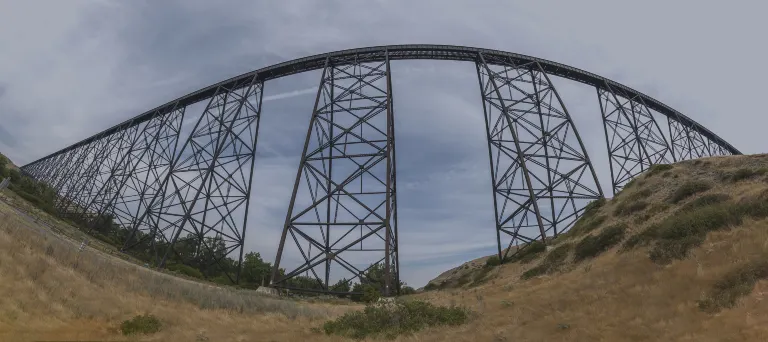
141	324
554	259
591	246
734	285
186	270
407	290
370	294
689	189
657	168
625	208
746	173
586	225
493	261
678	234
704	201
390	321
528	252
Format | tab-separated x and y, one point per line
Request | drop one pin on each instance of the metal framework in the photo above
183	190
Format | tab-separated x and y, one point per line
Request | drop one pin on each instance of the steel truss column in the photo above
206	193
89	180
634	139
342	214
689	143
137	177
541	174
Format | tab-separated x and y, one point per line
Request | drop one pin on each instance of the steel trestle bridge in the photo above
342	215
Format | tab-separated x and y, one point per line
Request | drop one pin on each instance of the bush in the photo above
591	246
389	321
493	261
657	168
551	262
186	270
141	324
407	290
626	208
689	189
734	285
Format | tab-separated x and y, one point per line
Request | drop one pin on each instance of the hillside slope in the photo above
679	255
51	291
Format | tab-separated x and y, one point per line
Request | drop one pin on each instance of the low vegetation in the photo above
628	207
675	236
552	262
392	320
745	173
734	285
688	189
141	324
658	168
592	245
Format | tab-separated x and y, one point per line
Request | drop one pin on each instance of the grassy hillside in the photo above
679	255
50	291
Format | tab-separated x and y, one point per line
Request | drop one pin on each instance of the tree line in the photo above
200	257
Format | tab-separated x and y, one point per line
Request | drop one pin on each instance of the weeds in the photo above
734	285
688	189
591	246
390	321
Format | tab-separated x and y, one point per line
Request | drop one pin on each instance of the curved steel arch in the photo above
159	185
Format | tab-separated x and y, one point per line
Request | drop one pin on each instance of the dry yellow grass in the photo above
49	291
614	297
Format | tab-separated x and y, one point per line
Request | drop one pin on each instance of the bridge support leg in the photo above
541	174
207	190
342	214
634	139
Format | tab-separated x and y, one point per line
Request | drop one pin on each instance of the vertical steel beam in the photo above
345	204
633	138
539	168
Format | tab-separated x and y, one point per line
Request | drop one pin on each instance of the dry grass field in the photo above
50	292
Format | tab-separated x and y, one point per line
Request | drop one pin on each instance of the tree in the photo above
255	271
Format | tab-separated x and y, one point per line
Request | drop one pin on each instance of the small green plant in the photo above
626	208
688	189
141	324
734	285
657	168
400	318
554	259
591	246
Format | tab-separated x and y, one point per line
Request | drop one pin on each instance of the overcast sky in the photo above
69	68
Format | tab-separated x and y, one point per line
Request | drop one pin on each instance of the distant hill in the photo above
10	164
